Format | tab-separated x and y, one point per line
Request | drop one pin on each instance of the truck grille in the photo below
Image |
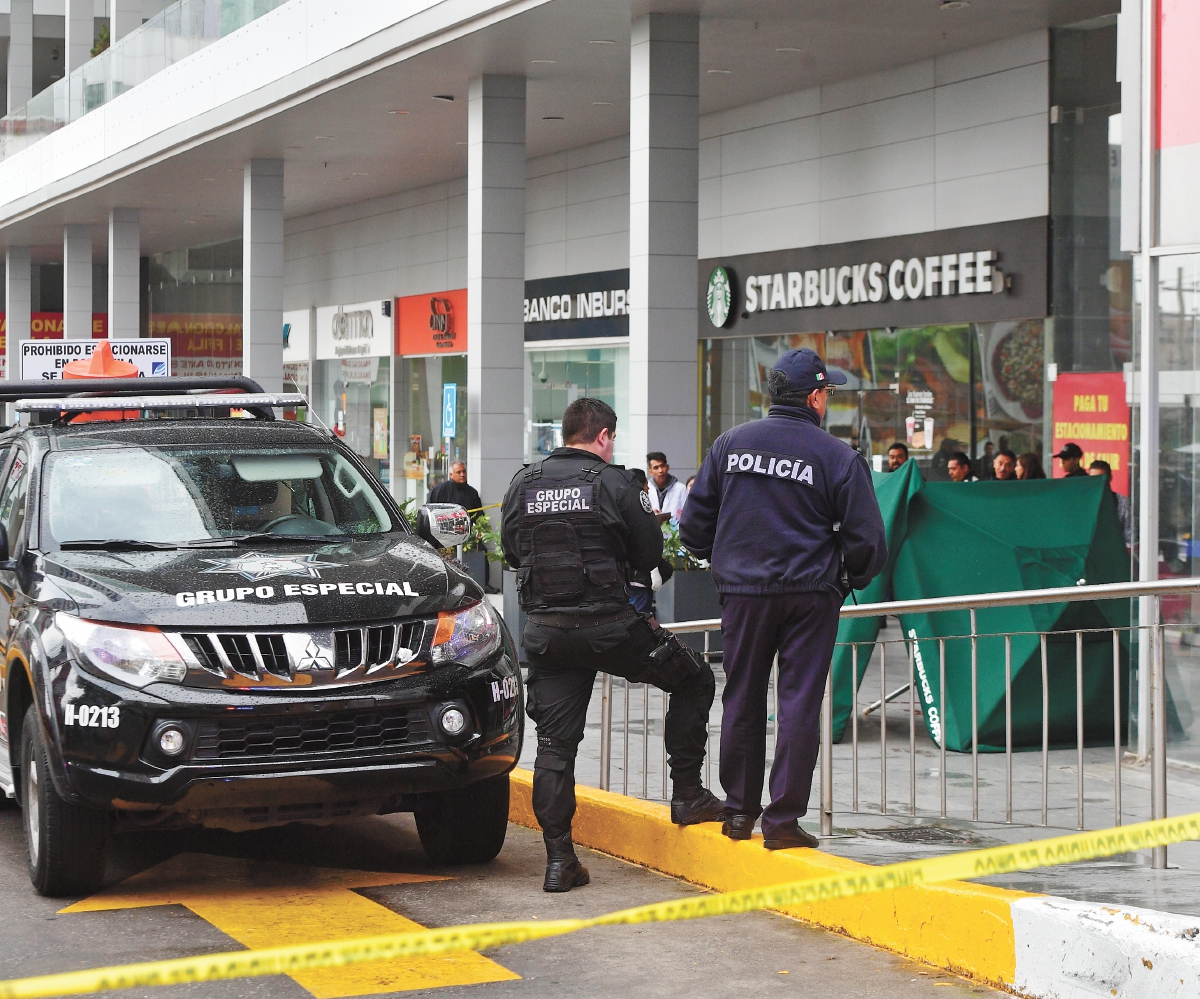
343	655
310	734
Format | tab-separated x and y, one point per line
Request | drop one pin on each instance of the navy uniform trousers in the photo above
802	628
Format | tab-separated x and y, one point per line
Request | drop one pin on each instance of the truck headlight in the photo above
466	636
135	656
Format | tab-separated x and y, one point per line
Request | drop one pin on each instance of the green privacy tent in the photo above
994	536
894	492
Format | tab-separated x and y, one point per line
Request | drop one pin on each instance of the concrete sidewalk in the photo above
870	837
1031	945
1076	931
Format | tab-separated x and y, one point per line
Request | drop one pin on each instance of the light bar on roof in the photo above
88	404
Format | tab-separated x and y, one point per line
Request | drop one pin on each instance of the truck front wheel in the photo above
65	842
466	825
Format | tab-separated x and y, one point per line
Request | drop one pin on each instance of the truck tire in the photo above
466	825
65	842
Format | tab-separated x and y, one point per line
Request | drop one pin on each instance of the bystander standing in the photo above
959	467
1004	465
667	493
897	455
1029	466
1099	467
1071	457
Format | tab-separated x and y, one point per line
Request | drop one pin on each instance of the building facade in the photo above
464	216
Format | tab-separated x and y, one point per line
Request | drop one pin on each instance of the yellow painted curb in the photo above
958	926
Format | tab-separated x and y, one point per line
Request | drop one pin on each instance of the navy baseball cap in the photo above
806	371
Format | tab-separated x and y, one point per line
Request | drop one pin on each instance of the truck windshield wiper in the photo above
116	545
239	539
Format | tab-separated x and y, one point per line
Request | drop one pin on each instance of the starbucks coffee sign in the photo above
720	297
974	274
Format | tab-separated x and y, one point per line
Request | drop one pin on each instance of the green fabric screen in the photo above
894	491
987	537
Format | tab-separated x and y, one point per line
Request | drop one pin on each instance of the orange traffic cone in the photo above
102	364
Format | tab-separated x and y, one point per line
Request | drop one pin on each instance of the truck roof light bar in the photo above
58	388
87	404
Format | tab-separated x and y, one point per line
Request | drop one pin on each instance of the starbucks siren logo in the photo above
720	296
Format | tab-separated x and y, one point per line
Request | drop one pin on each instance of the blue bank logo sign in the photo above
450	410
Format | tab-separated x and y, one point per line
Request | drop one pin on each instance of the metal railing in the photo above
653	704
171	35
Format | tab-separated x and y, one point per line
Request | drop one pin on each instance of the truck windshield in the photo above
180	495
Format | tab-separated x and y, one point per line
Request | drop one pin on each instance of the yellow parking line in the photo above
266	904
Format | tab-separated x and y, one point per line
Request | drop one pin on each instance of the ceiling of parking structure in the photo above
343	147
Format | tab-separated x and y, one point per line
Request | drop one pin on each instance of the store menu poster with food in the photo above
1090	410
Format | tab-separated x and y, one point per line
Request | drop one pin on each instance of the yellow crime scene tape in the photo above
482	936
490	506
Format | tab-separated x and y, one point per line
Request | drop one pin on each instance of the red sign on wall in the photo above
432	324
49	326
1090	410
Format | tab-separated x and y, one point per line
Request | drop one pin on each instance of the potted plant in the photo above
481	549
690	594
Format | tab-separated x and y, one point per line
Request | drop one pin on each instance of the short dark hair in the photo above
584	419
961	458
783	393
656	456
898	446
1103	465
639	476
1005	453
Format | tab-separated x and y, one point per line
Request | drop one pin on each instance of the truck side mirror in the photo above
443	525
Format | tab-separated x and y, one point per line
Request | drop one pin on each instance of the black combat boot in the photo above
692	804
563	869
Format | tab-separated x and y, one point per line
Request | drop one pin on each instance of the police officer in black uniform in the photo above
788	517
574	526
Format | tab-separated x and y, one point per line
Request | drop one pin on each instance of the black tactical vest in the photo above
566	561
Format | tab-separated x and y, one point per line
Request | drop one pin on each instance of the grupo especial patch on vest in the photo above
542	501
778	466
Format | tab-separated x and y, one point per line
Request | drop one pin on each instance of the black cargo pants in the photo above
564	654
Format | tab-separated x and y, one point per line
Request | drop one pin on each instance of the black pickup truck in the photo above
212	616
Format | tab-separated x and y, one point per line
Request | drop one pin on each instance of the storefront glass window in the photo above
940	389
556	378
351	396
421	387
1091	276
194	297
1179	491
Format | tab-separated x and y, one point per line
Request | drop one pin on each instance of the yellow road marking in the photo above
265	904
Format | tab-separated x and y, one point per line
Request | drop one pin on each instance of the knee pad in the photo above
554	754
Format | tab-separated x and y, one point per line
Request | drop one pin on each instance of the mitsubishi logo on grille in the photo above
312	658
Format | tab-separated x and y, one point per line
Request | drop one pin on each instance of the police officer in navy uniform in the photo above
574	526
787	515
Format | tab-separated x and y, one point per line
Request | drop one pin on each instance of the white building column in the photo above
495	282
262	273
664	172
18	306
125	16
20	53
80	35
124	271
77	282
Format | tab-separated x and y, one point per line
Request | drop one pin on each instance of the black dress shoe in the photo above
563	869
691	806
739	825
787	839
